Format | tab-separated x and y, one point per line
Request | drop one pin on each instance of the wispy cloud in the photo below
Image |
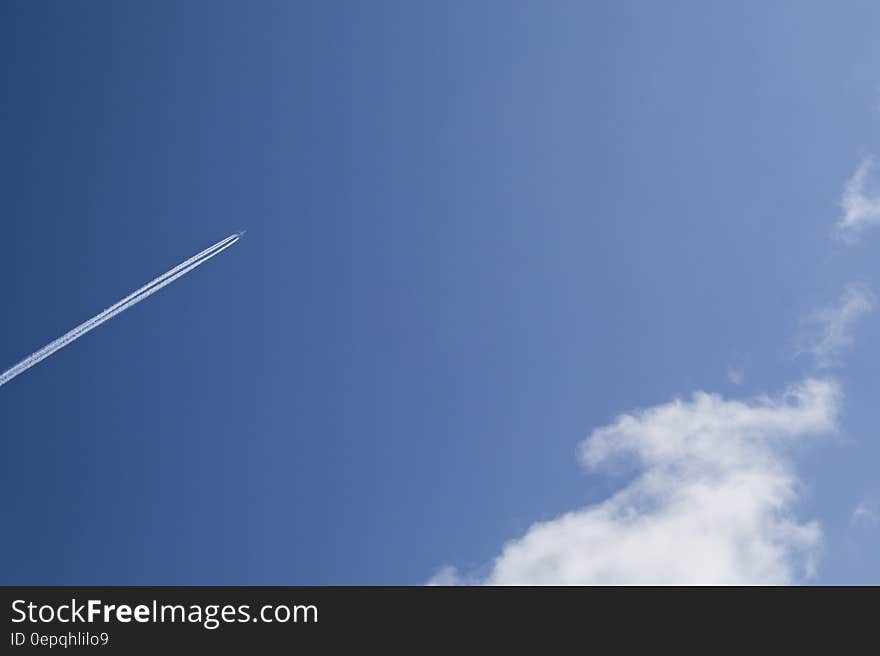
712	502
866	513
829	329
736	375
448	575
860	207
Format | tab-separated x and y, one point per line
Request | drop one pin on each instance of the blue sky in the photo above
477	233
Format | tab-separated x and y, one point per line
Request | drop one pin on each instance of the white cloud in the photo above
446	575
832	326
860	208
712	501
736	375
866	513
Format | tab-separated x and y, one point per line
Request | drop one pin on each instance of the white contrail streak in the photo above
121	306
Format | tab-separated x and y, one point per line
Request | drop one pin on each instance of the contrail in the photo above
120	306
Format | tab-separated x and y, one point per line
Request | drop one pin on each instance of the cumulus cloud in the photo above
448	575
712	500
831	327
860	208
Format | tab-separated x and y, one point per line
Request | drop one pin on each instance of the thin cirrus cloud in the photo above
861	208
736	375
830	329
867	513
712	502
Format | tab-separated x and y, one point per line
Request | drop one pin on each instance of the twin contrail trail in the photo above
121	306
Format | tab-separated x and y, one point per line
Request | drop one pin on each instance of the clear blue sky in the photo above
476	233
